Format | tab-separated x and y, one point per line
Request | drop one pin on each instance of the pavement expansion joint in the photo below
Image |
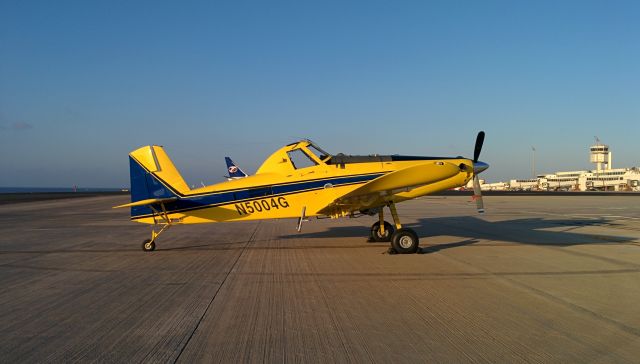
244	248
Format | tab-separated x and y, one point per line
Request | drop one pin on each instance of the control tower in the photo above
600	154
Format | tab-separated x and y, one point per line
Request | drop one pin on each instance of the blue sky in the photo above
84	82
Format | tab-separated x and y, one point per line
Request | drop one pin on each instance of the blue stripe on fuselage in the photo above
188	203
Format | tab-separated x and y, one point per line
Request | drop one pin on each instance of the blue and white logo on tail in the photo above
234	171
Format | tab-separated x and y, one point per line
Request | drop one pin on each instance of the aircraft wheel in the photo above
375	232
148	245
405	241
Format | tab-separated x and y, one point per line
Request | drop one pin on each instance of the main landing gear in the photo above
149	245
403	241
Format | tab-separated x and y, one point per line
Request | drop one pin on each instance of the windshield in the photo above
321	154
300	160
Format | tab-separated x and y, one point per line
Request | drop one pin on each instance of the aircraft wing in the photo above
150	201
384	187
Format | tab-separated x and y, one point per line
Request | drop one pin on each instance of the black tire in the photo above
375	232
405	241
148	245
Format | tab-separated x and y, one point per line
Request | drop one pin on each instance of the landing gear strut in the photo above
381	230
403	240
149	245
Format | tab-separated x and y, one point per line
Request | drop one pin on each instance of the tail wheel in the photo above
405	241
375	232
148	245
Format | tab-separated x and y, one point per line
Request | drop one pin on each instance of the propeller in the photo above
478	147
477	168
477	194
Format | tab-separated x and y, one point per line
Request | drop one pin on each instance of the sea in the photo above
58	189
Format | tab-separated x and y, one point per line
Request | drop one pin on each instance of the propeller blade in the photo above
477	194
478	148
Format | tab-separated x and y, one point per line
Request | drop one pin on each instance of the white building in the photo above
561	181
600	154
619	179
603	178
496	186
524	184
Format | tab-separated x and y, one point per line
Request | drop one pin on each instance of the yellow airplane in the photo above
298	181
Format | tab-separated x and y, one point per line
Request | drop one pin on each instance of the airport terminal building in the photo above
603	178
619	179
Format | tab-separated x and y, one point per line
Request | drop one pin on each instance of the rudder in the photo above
153	175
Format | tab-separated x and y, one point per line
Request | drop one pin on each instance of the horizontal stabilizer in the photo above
150	201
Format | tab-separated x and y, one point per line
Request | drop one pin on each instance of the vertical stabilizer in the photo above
153	175
234	171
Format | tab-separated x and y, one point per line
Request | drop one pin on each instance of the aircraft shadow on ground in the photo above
467	230
522	231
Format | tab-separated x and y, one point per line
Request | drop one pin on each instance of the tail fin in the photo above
153	175
233	169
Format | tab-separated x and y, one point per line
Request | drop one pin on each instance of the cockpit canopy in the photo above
298	155
307	154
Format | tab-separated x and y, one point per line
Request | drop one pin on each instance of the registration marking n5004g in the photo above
249	207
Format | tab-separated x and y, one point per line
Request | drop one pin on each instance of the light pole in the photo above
533	162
